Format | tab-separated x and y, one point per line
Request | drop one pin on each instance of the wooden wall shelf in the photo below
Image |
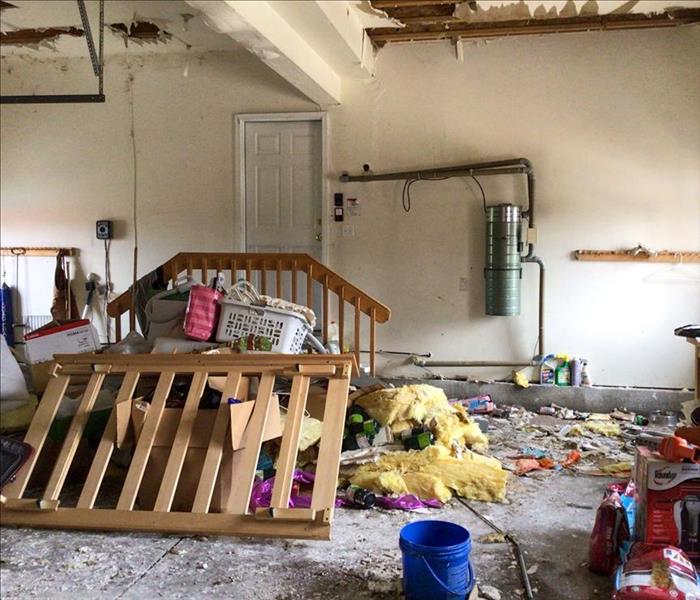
36	251
665	256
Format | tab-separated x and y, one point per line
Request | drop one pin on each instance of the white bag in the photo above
166	318
13	387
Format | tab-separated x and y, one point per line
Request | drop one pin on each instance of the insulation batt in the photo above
433	473
414	405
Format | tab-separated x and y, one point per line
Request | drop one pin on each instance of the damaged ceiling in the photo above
54	27
428	20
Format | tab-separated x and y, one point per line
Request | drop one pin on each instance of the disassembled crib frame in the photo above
232	453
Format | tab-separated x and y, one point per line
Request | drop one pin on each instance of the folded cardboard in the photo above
668	507
70	338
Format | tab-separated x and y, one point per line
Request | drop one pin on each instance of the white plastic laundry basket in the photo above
286	330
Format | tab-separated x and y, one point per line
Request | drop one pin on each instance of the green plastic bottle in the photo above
562	374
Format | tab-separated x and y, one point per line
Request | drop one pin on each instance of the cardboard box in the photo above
70	338
668	504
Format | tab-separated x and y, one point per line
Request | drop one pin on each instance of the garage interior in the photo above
368	299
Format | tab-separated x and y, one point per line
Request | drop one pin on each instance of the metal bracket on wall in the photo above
97	67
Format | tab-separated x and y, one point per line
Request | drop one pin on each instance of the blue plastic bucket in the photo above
436	561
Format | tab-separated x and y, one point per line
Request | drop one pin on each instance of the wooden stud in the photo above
287	457
72	439
173	468
118	328
294	281
37	432
330	446
212	460
246	460
143	446
372	340
358	314
122	406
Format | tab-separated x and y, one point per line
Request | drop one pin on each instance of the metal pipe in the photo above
472	363
540	316
457	171
52	99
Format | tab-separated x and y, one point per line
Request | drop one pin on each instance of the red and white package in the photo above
610	531
202	314
652	572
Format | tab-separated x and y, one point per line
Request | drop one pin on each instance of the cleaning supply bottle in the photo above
585	373
333	343
547	370
576	366
562	374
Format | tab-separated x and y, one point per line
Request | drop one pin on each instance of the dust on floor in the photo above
550	517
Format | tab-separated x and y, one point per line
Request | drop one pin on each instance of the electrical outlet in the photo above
348	230
463	284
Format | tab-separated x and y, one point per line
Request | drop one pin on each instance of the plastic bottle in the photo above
585	374
547	370
562	374
333	343
576	366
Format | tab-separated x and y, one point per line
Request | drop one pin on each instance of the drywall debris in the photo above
5	5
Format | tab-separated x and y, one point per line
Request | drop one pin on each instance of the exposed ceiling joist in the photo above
454	29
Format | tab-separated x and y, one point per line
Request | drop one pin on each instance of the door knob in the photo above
318	237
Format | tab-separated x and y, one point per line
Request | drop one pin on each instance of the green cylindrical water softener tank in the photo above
503	270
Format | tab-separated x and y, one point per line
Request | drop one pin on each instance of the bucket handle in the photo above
442	585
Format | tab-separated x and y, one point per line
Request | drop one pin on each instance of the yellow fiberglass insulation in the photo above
433	473
413	405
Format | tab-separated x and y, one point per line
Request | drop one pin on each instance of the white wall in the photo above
610	121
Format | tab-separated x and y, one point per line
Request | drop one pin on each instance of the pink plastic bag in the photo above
202	314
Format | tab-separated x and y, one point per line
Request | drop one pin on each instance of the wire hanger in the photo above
676	273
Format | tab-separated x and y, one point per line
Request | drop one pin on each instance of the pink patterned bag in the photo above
202	314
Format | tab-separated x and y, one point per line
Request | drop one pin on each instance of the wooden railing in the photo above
268	270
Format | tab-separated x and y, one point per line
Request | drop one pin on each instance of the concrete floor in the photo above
362	561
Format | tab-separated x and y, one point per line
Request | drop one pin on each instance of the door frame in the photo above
240	122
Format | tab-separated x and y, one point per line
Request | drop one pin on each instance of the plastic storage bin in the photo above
286	330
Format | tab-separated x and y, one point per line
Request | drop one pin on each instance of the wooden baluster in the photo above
325	309
341	318
205	271
118	328
263	278
189	266
72	439
358	313
248	270
173	468
294	281
278	280
174	272
37	432
310	286
215	451
372	339
233	267
143	447
290	443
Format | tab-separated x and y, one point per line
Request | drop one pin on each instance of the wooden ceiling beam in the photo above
384	4
461	30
